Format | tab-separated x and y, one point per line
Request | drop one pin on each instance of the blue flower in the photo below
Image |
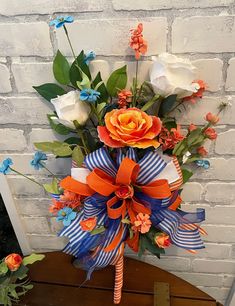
203	163
89	95
67	215
5	166
89	57
36	162
61	20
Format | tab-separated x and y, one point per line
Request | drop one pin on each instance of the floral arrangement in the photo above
129	155
13	272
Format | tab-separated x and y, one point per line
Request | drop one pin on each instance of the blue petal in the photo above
69	19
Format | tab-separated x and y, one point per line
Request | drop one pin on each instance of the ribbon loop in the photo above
127	172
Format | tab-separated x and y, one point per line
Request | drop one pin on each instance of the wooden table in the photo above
56	283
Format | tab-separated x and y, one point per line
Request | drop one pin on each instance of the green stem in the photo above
96	113
136	83
175	107
42	164
83	141
70	44
29	178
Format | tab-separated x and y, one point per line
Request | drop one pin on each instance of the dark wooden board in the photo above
59	295
139	277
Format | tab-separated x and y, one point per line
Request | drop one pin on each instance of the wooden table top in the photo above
57	283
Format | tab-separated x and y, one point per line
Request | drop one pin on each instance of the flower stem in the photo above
29	178
42	164
83	141
175	107
136	83
70	44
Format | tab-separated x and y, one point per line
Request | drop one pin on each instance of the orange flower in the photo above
137	42
192	127
71	199
169	139
163	240
13	261
202	151
125	192
213	119
56	206
197	95
124	97
88	224
130	127
142	223
210	133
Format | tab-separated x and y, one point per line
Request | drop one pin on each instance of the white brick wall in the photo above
202	30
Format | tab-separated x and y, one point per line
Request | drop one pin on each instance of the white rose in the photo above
69	107
171	75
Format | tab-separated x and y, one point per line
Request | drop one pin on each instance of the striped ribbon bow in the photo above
122	189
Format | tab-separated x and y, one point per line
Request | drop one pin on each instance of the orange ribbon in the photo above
100	182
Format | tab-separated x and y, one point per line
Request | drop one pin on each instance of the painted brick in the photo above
196	113
212	250
220	294
213	266
12	139
225	143
228	280
5	84
143	69
223	193
21	110
38	225
14	7
22	164
192	192
38	242
21	186
210	70
168	263
25	39
201	279
33	206
149	5
27	75
55	225
220	169
230	80
203	34
107	36
219	233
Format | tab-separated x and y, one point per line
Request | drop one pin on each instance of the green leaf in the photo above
147	244
52	188
101	88
186	175
170	123
73	140
74	73
77	156
57	127
61	68
180	148
28	287
117	81
194	136
20	272
167	105
150	103
3	268
100	107
50	91
63	150
48	146
98	230
29	260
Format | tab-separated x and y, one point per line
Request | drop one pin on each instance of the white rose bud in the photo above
171	75
69	107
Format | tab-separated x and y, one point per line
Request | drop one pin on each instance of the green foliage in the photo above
150	103
29	260
75	72
101	88
170	123
186	175
57	127
78	156
53	187
60	149
167	105
98	230
3	269
117	81
147	243
61	68
49	91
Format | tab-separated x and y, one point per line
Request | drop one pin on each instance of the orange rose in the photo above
210	133
213	119
88	224
130	127
163	240
202	151
13	261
